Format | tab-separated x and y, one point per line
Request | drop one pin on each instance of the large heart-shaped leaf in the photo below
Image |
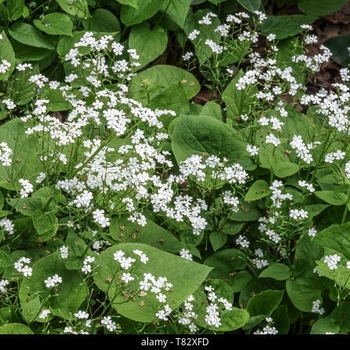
69	295
184	275
198	134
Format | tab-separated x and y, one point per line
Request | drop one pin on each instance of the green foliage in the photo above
205	135
185	277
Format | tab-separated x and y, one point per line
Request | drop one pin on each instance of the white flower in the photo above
332	261
109	323
3	284
298	214
40	178
53	281
215	48
44	313
7	225
184	253
316	307
99	218
4	66
21	266
272	139
242	241
5	154
81	315
64	252
252	150
26	189
126	277
193	35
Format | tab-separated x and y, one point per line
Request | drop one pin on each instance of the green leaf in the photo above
284	26
325	325
68	295
15	328
237	101
44	222
177	11
339	48
29	35
212	109
315	209
22	90
247	212
105	21
24	164
144	10
340	316
217	240
277	271
207	32
230	227
10	314
149	42
78	9
198	134
185	275
225	264
320	8
26	206
132	3
66	43
251	5
174	98
6	54
15	9
124	231
274	158
264	303
332	197
57	102
32	309
158	78
25	53
5	260
55	23
335	240
305	288
229	319
256	285
259	189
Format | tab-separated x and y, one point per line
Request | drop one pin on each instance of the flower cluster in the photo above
22	266
316	307
5	154
53	281
268	329
188	317
7	226
3	284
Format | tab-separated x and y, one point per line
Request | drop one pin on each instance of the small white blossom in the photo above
185	253
332	261
26	189
109	323
44	313
3	284
99	217
53	281
316	307
64	252
21	265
